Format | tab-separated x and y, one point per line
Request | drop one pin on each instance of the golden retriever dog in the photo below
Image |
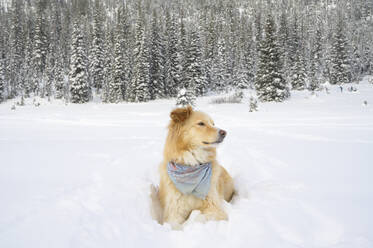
190	177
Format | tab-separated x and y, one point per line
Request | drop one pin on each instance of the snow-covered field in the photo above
80	175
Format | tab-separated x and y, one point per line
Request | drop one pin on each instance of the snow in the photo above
80	175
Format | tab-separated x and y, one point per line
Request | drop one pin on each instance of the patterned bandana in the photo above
191	179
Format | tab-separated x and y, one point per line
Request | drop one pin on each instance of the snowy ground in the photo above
80	175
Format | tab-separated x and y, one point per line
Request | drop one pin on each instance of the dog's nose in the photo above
222	133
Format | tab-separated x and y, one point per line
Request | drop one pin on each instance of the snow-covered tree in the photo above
2	79
78	78
118	77
138	90
210	38
253	104
185	97
97	53
156	81
283	41
27	68
40	49
340	71
16	47
310	39
298	68
50	76
195	79
59	76
220	74
108	64
298	73
172	70
269	84
315	74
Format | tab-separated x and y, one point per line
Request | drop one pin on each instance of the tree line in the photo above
138	51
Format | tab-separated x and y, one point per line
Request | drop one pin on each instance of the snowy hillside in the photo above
80	175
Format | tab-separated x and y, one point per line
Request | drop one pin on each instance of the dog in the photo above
190	176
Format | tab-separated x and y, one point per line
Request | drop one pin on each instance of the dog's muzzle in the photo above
221	135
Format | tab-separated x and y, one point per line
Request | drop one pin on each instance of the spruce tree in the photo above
340	71
97	53
195	80
185	97
126	47
248	59
16	47
315	71
298	72
108	64
59	83
209	51
27	67
40	49
284	40
220	74
117	79
172	77
183	50
78	78
298	69
156	81
2	78
138	90
269	84
50	75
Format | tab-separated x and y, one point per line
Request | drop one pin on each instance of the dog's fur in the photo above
190	142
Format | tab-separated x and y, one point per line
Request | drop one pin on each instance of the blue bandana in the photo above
193	180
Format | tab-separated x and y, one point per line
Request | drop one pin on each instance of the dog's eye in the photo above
201	123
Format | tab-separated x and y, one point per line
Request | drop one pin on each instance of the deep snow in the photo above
80	175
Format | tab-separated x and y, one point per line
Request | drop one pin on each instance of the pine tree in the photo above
183	51
316	69
126	47
2	79
284	40
248	60
138	90
172	77
50	75
59	83
27	70
298	77
156	81
40	49
118	77
16	48
220	73
340	71
195	80
253	104
209	50
298	70
3	56
78	78
97	53
108	64
269	84
185	97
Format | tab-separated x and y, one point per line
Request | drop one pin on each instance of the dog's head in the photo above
194	129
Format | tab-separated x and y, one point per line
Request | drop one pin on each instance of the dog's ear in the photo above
181	114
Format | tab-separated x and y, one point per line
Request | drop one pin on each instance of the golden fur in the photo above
187	143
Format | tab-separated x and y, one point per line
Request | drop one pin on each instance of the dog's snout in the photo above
222	133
